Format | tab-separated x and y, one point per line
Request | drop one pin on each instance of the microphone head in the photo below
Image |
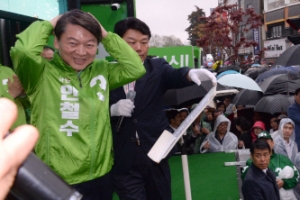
131	95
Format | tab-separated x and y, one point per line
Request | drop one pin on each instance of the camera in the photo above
115	6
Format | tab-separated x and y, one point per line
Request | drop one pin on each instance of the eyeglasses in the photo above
223	125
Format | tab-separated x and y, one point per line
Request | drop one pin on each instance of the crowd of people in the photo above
96	137
217	130
76	102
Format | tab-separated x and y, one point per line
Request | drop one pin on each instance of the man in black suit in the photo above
260	182
135	175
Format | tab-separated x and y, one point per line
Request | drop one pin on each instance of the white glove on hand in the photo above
124	107
198	75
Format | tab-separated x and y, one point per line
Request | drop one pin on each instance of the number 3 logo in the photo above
102	85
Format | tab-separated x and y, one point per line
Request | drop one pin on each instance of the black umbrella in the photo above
294	73
277	103
254	72
295	39
247	97
294	23
280	84
289	57
187	95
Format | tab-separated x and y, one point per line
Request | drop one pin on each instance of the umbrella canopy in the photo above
294	23
227	72
255	72
187	95
279	84
255	65
231	67
247	97
277	103
294	73
289	57
295	39
239	81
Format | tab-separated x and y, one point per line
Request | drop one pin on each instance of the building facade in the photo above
276	12
252	35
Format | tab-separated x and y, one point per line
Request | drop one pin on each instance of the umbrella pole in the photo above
186	174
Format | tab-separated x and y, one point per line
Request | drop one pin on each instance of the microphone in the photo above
130	95
35	180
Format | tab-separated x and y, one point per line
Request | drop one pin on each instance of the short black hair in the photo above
217	111
80	18
221	104
171	114
132	23
243	123
297	91
260	144
275	115
227	97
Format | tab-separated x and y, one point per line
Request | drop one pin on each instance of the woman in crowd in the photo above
244	127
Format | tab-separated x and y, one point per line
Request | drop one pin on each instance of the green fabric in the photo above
5	74
71	110
277	163
210	179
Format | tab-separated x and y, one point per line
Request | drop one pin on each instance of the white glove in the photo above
198	75
124	107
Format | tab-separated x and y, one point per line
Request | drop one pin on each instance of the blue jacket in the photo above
148	119
294	114
258	185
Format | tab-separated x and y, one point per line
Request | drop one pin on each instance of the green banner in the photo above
179	56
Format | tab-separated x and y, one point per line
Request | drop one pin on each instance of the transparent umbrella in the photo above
239	81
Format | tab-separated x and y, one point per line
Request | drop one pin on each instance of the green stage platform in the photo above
210	178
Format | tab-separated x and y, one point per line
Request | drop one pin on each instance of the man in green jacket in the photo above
277	163
70	96
12	89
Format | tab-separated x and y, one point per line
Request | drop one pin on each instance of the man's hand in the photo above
241	144
205	131
15	148
54	20
207	145
279	183
14	87
124	107
103	31
198	75
196	130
